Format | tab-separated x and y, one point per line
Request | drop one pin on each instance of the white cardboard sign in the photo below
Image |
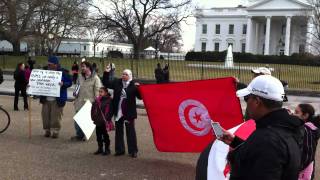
83	119
45	83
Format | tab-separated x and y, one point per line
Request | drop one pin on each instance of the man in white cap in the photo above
272	152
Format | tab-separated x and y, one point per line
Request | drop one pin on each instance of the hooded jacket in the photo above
272	152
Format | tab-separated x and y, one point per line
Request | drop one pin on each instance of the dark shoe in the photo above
119	154
99	151
106	152
133	155
55	135
47	134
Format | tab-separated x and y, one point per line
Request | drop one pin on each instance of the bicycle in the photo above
4	120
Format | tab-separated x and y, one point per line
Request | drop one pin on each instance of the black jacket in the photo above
20	79
272	152
132	93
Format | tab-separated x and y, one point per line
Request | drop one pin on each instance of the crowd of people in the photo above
282	147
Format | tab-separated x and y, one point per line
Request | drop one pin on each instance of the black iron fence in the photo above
298	76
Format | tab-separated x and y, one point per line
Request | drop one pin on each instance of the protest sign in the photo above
45	83
83	119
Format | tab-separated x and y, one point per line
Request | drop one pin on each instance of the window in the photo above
264	29
231	28
244	29
243	47
203	47
263	48
216	46
217	28
204	29
84	47
230	44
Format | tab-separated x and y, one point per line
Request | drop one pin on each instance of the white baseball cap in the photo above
264	86
83	59
261	70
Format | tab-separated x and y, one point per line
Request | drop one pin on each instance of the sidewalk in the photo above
7	88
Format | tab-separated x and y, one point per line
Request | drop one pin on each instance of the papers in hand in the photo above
83	119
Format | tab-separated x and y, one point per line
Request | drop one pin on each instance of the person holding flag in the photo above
273	150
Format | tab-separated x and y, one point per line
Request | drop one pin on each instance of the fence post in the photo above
202	68
239	71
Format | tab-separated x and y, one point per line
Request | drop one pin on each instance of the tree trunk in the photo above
94	50
16	46
136	51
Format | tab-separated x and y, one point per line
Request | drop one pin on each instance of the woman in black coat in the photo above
20	85
125	92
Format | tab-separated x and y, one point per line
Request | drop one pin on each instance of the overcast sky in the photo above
188	30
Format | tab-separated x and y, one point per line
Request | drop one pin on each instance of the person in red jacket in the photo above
101	114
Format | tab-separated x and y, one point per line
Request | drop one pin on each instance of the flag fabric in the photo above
212	163
180	114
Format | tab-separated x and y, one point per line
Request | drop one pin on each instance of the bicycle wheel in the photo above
4	120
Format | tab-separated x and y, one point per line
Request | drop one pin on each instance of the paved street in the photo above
46	158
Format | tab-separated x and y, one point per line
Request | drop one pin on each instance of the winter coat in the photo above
20	79
272	152
61	101
132	93
101	105
89	90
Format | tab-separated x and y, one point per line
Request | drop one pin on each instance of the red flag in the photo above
180	113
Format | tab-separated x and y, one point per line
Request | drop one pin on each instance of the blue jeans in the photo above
79	132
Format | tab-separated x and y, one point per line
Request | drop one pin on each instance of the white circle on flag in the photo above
194	117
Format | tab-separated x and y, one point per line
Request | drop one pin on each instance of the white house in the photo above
270	27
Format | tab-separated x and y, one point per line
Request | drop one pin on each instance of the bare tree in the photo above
61	19
133	17
15	17
313	27
98	33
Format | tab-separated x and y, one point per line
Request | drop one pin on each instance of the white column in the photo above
287	41
257	38
267	39
309	34
248	35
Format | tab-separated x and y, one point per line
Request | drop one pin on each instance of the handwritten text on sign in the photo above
45	83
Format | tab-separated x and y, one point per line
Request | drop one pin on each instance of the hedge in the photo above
297	59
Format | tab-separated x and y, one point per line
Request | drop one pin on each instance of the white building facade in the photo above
269	27
83	47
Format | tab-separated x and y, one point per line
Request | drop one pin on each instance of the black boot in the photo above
106	150
100	150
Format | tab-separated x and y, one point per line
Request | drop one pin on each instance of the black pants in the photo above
131	136
23	94
74	78
102	137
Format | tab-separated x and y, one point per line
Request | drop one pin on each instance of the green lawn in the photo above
298	77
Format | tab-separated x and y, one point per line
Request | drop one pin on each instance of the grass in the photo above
298	77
